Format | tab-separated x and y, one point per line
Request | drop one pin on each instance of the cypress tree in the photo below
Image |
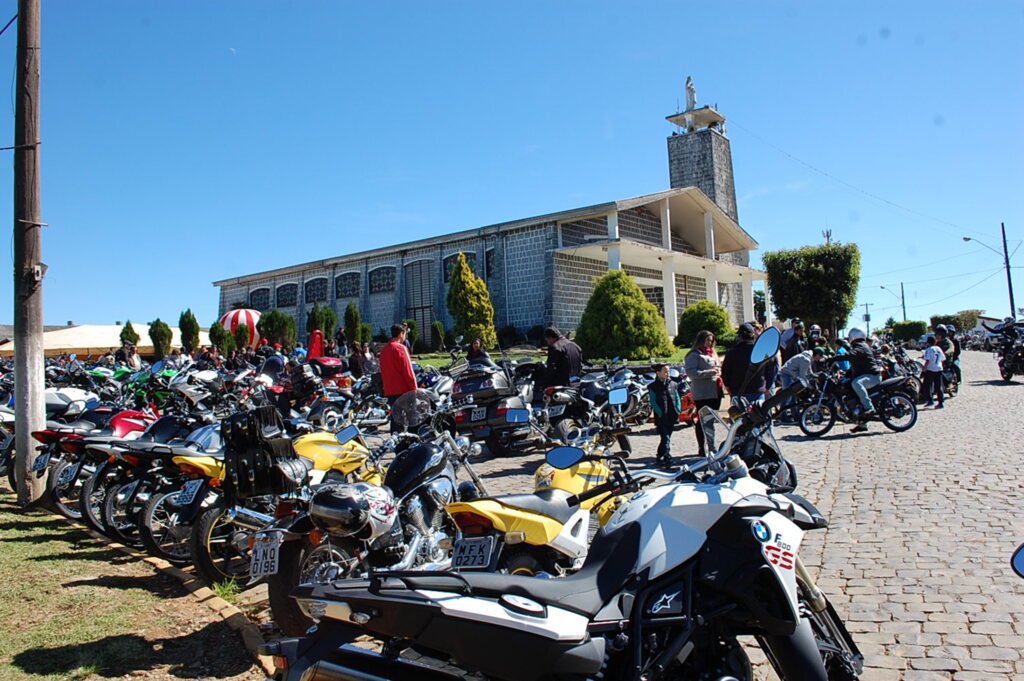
220	337
469	303
160	334
188	326
129	334
353	324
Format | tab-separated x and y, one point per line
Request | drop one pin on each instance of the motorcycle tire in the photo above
817	419
952	388
94	492
893	408
159	531
296	562
218	548
119	515
65	496
1005	372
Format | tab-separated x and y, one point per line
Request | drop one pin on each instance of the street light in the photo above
903	299
1006	263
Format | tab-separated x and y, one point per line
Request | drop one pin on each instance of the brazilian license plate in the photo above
188	492
266	552
556	410
478	414
473	553
68	474
40	463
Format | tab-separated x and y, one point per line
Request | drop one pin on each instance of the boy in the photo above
933	359
664	396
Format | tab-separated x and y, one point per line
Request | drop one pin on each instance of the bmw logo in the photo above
761	531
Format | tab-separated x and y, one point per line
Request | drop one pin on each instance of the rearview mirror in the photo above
346	434
618	396
564	457
458	339
517	416
1017	562
766	346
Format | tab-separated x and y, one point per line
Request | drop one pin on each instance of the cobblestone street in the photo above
923	524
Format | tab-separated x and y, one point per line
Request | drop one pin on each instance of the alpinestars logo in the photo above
663	603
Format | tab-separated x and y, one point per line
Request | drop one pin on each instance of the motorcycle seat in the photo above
888	383
549	502
80	427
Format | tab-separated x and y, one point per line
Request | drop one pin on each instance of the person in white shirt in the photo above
932	377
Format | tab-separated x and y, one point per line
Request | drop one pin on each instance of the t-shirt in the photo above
933	358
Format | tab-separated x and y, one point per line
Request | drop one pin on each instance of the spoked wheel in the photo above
121	511
898	412
160	532
64	487
300	563
94	493
1005	371
219	548
817	419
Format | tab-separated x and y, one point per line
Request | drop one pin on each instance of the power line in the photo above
917	267
4	29
959	292
852	186
951	276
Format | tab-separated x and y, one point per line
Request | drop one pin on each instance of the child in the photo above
933	359
664	396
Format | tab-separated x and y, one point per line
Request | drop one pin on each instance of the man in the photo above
299	353
945	339
664	396
396	366
932	374
795	344
565	359
866	372
800	367
736	363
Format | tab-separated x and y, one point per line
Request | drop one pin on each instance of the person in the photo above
705	374
953	358
841	348
800	367
342	341
664	396
396	366
795	344
476	353
866	372
736	363
565	359
931	381
121	356
134	362
299	353
331	350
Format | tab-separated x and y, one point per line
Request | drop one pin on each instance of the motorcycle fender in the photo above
780	552
572	540
540	530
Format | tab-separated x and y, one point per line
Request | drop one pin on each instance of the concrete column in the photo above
613	227
712	284
666	226
767	305
747	287
668	287
709	236
614	257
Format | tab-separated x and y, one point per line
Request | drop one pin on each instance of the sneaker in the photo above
868	414
929	403
861	427
940	406
666	461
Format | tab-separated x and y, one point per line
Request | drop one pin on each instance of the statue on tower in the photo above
691	94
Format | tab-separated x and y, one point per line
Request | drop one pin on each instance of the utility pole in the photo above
1009	281
867	317
28	266
903	302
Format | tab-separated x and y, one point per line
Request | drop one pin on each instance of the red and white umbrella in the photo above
232	320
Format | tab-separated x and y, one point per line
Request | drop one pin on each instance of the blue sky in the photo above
189	141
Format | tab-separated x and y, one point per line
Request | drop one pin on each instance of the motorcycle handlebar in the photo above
797	387
615	485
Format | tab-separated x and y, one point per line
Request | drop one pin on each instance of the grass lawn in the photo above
441	360
73	609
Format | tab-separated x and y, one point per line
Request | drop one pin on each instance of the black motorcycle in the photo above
837	401
494	389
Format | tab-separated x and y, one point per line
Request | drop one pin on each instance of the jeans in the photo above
861	385
932	384
664	429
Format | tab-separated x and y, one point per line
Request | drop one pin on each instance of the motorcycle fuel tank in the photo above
413	467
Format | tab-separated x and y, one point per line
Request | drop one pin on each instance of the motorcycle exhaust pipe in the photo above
249	519
327	671
410	555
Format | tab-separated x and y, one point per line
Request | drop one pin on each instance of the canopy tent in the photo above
94	339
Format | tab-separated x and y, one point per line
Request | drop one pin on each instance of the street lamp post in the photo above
1006	263
903	299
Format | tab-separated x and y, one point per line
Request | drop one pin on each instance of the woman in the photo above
704	371
477	354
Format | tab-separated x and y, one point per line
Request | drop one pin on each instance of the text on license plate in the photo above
478	414
473	553
265	554
40	462
556	410
188	492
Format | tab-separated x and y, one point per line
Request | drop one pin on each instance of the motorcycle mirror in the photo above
517	416
615	360
346	434
1017	562
564	457
458	339
766	346
618	396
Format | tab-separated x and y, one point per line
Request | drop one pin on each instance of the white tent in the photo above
95	339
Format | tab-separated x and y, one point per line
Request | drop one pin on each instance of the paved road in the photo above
923	523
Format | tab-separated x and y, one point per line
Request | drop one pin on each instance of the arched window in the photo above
490	263
346	285
287	295
383	279
449	264
316	290
259	299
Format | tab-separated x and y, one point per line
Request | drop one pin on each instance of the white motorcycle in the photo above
680	572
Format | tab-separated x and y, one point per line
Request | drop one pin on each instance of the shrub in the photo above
508	336
160	334
188	326
242	336
909	331
322	318
278	327
535	334
469	303
814	283
220	337
353	321
437	335
128	333
413	334
382	335
944	319
620	322
365	332
704	314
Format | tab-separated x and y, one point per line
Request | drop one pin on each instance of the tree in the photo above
760	307
437	331
160	334
278	327
908	331
818	284
366	332
620	322
967	319
943	319
703	315
890	322
188	326
239	305
242	336
220	337
353	321
129	334
413	334
328	321
313	319
469	303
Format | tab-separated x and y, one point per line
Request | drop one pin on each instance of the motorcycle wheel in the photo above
159	531
65	496
952	388
297	564
817	419
1005	372
820	648
219	549
94	493
898	412
119	514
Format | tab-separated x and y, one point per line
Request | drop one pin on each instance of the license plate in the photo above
556	410
68	474
188	492
265	554
478	414
473	553
40	462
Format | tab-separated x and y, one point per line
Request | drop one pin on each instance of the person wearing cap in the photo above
794	344
736	363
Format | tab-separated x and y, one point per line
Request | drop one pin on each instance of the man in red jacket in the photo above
396	366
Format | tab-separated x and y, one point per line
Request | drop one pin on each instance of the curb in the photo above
232	616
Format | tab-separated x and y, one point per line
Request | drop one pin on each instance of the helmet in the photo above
815	328
856	334
941	328
359	510
950	328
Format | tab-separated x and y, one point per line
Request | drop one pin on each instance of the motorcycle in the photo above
494	390
837	400
678	574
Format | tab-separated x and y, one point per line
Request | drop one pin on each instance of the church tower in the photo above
699	154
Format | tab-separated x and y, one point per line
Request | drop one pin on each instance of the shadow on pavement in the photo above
997	381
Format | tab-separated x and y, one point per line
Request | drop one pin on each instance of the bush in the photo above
242	336
508	336
220	337
704	314
945	319
353	322
535	334
620	322
365	332
437	335
469	303
278	327
188	325
382	336
909	331
322	318
128	333
413	334
160	334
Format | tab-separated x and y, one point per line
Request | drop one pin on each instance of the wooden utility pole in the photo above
28	266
